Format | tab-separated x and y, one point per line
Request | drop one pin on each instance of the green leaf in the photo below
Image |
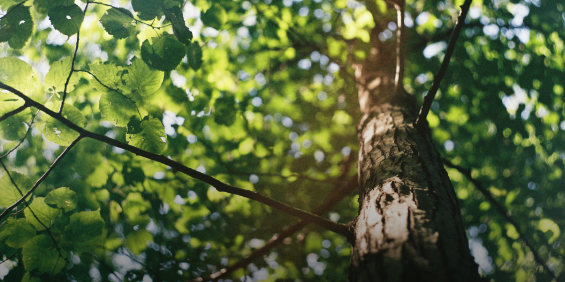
41	254
214	17
225	111
63	198
28	278
13	128
106	75
42	213
59	133
66	19
194	55
164	53
147	9
84	226
57	76
118	22
5	4
142	79
43	6
16	26
146	134
116	108
546	224
137	241
182	33
16	232
19	75
9	192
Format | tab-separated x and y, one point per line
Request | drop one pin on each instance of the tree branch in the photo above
45	174
502	211
220	186
332	200
14	112
421	121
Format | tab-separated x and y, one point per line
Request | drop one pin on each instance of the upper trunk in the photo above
409	226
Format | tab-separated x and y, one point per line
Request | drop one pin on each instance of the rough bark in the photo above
409	226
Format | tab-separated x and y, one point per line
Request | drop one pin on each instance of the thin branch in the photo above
220	186
502	211
12	255
277	239
45	174
421	121
23	139
72	65
14	112
33	213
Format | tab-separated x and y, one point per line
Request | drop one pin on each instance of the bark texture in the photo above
409	226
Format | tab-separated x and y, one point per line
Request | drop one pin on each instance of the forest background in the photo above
261	95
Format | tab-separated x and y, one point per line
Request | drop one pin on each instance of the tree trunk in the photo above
409	226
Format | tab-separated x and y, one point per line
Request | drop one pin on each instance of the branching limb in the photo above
502	211
220	186
32	212
421	121
14	112
45	174
277	239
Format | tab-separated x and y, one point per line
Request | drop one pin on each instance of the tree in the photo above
159	140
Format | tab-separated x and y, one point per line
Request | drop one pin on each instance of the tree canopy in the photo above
157	140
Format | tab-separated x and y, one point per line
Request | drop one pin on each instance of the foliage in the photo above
260	95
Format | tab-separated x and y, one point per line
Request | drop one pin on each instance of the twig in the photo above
219	185
45	174
33	213
421	121
333	199
8	258
72	65
502	211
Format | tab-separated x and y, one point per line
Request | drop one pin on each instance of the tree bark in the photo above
409	226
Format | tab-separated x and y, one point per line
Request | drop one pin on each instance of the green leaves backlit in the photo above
42	255
214	17
118	22
9	192
141	79
57	76
63	198
59	133
66	19
163	53
182	33
146	134
116	108
16	26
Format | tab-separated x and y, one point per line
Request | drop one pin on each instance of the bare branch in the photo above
220	186
421	121
502	211
45	174
277	239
